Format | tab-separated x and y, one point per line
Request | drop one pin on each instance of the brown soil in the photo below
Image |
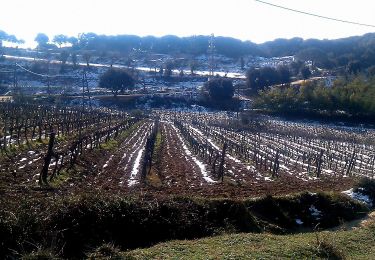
176	171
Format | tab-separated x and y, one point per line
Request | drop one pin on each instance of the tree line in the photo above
325	53
354	96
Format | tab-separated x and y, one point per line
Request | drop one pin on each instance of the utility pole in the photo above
15	76
15	80
48	80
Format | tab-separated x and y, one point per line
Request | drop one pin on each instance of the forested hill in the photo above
358	50
326	53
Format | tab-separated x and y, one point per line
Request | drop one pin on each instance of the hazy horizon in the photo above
246	20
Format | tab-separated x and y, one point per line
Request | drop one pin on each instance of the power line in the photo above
315	15
40	75
32	72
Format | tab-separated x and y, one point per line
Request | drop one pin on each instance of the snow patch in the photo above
233	158
135	169
107	162
315	212
201	166
358	196
268	179
299	221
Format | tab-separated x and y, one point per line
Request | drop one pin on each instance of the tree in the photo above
305	72
8	38
113	57
220	89
371	71
193	66
116	80
169	65
42	39
87	57
284	74
242	63
295	67
73	41
354	67
74	59
64	55
258	79
60	39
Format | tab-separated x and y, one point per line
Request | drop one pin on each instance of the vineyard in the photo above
209	154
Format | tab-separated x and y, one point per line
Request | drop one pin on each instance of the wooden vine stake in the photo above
221	166
276	165
319	162
47	160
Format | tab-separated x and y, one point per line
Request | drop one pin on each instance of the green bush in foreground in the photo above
73	226
366	186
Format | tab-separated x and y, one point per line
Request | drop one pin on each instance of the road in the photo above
232	75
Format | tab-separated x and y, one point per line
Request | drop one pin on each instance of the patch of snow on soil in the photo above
315	212
106	164
268	179
233	158
201	166
134	172
299	222
196	130
213	145
358	196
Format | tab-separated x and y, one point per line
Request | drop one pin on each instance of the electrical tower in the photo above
85	89
211	54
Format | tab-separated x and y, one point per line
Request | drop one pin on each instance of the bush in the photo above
220	89
366	186
116	80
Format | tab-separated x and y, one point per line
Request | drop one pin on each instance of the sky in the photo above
242	19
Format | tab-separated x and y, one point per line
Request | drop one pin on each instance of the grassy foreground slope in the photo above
351	244
108	226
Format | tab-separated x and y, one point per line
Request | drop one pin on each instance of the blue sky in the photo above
243	19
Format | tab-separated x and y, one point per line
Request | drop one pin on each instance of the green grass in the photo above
130	130
157	147
15	149
110	145
61	138
353	244
60	179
